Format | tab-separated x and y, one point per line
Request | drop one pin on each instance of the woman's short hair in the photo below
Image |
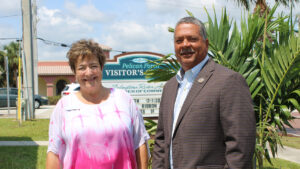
85	48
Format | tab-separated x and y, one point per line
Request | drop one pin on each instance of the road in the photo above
44	112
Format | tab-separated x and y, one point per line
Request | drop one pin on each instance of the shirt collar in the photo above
192	73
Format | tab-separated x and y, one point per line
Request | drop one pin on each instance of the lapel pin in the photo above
201	80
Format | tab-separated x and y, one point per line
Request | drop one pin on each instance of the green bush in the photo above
53	99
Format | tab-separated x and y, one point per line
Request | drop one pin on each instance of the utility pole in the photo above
29	61
35	51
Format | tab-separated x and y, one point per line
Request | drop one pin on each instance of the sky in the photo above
123	25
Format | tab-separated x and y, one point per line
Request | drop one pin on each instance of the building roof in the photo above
104	47
54	68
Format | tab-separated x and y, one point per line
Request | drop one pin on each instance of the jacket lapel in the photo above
198	84
171	94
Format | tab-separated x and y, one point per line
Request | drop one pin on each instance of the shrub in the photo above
53	99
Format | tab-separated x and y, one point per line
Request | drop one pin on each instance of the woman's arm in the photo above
142	156
52	161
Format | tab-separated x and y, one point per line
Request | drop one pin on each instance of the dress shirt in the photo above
185	80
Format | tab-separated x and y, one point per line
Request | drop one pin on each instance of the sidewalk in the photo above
288	153
23	143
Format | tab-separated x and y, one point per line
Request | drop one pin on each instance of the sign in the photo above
128	67
146	95
126	72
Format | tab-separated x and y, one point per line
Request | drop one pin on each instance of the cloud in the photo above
8	28
51	16
56	26
87	12
132	36
10	7
51	53
135	28
7	31
53	23
166	6
176	9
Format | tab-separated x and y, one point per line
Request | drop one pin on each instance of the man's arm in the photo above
159	145
238	122
142	157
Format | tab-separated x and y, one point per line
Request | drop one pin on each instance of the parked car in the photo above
40	100
13	96
70	88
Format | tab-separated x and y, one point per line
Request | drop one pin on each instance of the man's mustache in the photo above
187	51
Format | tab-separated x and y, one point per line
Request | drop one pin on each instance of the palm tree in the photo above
2	68
12	52
262	4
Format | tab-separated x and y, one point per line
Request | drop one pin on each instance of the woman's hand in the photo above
142	156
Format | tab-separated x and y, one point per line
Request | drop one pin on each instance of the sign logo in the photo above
139	60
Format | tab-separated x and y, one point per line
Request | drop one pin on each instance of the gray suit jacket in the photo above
216	125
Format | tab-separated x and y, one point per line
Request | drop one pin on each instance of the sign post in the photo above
7	84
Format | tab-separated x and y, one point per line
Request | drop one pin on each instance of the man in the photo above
206	118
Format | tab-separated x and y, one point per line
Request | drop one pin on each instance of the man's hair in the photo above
85	48
193	20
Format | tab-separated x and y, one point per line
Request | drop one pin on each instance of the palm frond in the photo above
163	69
280	68
151	126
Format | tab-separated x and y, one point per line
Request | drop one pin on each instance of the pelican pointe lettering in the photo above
128	67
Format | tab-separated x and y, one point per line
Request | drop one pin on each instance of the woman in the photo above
96	127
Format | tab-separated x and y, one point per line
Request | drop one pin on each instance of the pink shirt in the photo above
103	136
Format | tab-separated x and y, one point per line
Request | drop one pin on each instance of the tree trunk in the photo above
262	6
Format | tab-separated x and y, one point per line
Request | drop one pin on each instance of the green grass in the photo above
293	142
32	157
29	157
36	130
280	164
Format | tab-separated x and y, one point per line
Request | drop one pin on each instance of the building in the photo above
54	75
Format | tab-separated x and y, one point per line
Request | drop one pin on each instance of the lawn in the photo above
291	141
35	157
29	157
36	130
